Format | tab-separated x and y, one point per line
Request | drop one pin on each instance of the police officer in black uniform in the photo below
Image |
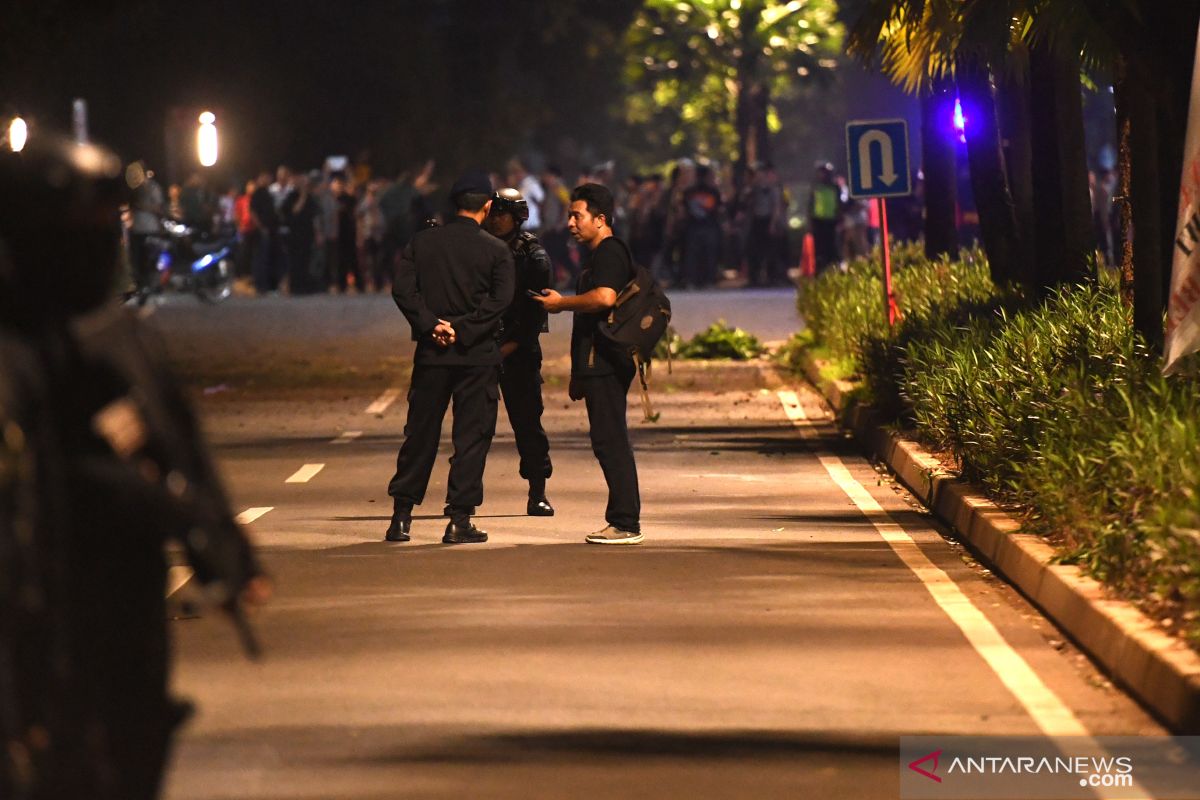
523	323
101	464
453	284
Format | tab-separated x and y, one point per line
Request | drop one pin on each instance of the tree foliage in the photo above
690	63
916	41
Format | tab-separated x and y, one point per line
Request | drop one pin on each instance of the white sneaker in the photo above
611	535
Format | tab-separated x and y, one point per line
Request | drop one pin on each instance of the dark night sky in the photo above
468	82
301	79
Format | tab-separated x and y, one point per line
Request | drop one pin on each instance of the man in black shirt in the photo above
300	213
600	375
268	256
702	231
452	284
523	323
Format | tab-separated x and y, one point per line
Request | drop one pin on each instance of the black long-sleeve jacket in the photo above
464	275
525	319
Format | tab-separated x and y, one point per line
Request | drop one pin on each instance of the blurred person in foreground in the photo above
101	465
521	367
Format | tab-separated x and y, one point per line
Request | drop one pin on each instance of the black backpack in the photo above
636	323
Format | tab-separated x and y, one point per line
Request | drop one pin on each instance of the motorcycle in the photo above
185	260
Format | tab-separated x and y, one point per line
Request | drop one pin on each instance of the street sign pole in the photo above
889	297
879	169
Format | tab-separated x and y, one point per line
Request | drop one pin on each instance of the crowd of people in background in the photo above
339	229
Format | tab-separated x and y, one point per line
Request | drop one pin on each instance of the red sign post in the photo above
889	297
877	151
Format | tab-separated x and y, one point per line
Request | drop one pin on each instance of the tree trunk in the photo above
989	179
1121	89
941	179
1147	215
1013	105
1060	175
1174	25
750	114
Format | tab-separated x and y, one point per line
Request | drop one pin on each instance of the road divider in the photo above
305	473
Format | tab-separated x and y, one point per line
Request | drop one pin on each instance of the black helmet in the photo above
59	228
510	201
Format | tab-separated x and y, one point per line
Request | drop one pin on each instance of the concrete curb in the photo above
1162	672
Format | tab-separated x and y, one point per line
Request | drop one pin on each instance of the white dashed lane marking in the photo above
385	400
177	578
305	473
251	514
347	437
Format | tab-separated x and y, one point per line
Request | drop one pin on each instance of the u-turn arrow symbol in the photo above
865	172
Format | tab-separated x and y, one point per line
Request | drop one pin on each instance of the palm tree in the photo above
1155	50
942	50
1034	52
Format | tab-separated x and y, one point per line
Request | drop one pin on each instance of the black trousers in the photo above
475	393
269	261
605	397
521	383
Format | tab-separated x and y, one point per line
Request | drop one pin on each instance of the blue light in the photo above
203	263
960	122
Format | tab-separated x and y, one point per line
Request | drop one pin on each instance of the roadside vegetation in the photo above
1056	407
718	341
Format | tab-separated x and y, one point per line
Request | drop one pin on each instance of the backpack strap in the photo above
644	387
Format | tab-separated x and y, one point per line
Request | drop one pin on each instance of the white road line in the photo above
347	437
385	400
1048	711
305	473
251	514
177	578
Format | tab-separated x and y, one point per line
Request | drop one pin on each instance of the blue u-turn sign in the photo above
878	152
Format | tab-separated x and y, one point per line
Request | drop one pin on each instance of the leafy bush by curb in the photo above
1055	407
717	341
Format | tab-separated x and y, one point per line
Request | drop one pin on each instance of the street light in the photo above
18	134
206	139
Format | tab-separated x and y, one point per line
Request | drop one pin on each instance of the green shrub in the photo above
1055	407
844	309
719	341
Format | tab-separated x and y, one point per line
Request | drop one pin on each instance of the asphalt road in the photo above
789	616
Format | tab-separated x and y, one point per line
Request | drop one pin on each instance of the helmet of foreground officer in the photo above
509	212
59	230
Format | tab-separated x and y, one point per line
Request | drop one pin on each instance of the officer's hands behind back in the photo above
443	334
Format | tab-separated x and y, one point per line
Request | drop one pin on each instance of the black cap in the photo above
473	181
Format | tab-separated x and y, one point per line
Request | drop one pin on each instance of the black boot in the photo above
538	505
463	532
398	530
401	523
